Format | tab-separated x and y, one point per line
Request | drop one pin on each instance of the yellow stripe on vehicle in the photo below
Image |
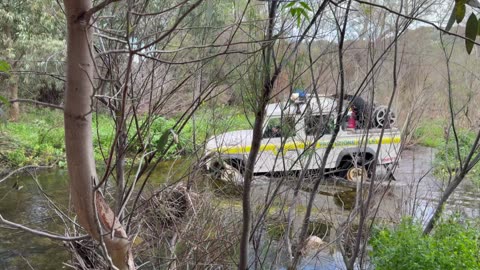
246	149
300	145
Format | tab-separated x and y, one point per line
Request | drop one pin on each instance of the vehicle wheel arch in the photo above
346	158
236	161
350	153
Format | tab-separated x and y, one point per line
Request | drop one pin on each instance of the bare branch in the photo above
416	19
41	233
87	15
179	20
24	100
160	12
23	168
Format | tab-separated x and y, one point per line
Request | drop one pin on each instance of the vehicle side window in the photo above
275	128
318	123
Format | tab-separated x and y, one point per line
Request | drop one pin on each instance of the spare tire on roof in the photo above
381	119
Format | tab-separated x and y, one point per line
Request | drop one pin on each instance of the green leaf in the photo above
293	11
460	10
162	142
304	13
451	21
478	32
471	31
5	67
297	13
291	4
305	6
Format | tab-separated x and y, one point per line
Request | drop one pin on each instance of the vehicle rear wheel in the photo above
219	167
353	170
345	165
356	173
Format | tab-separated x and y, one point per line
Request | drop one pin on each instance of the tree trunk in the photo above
14	112
260	113
93	212
443	200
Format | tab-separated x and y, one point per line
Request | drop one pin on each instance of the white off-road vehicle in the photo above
302	127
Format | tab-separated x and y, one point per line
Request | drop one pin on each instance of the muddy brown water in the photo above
415	192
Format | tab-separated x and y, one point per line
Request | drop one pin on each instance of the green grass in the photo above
209	122
447	155
38	137
430	133
206	123
454	244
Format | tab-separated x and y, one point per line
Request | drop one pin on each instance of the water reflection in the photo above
20	250
22	201
345	199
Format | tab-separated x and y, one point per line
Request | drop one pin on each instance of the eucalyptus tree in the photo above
93	212
133	57
31	37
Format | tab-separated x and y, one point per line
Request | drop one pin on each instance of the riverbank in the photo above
434	134
37	139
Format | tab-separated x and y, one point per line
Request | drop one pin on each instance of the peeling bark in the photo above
79	142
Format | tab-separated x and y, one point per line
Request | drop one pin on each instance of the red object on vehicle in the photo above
351	120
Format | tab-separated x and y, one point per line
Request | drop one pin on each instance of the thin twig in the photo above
179	20
23	168
49	105
416	19
41	233
87	15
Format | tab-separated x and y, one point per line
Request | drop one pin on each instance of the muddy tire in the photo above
352	169
356	173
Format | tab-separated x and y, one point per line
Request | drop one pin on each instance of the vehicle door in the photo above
278	143
318	132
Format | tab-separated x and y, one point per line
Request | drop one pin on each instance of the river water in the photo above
421	190
23	201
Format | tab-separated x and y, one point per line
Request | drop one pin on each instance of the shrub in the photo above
432	134
38	138
17	157
446	157
451	246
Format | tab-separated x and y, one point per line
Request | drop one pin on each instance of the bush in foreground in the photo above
453	245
